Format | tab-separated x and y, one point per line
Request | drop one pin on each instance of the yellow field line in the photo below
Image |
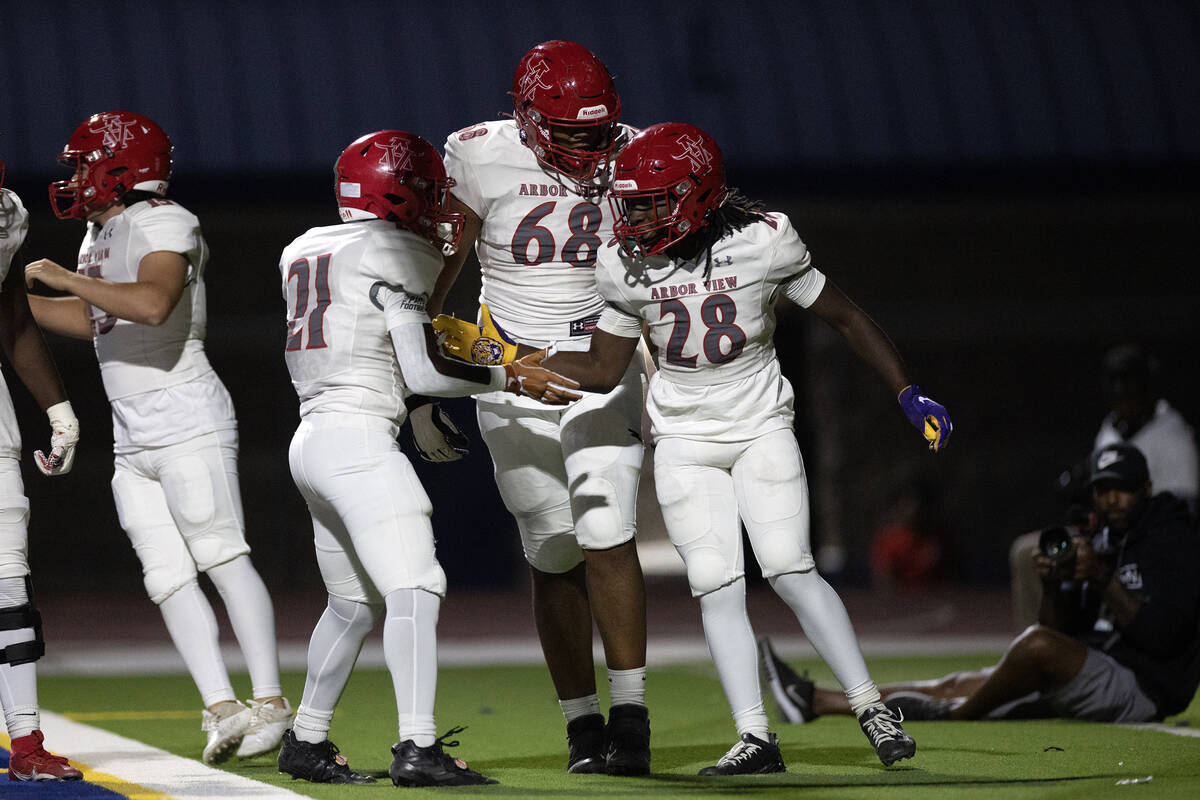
111	782
93	716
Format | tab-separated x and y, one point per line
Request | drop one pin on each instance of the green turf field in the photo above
515	733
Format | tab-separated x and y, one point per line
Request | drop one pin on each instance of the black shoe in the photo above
628	734
793	693
750	756
432	766
319	763
918	707
585	743
890	741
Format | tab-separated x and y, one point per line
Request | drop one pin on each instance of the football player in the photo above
21	643
703	267
530	191
359	341
138	294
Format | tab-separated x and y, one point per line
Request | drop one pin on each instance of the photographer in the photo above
1119	632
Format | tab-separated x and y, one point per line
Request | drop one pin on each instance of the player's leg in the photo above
695	491
772	493
169	574
200	481
530	476
21	643
602	452
1039	660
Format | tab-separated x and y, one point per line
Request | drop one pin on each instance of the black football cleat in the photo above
585	745
432	766
319	763
882	728
793	693
750	756
628	734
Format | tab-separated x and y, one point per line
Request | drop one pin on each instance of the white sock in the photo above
825	622
627	686
193	629
410	650
253	619
332	650
18	683
731	645
863	696
578	707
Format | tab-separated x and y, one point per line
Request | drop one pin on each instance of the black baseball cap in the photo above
1119	462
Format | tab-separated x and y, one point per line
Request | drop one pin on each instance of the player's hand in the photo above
927	416
64	435
485	343
434	434
526	376
48	272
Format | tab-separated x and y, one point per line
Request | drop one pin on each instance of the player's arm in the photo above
599	369
453	263
66	316
874	347
26	350
149	300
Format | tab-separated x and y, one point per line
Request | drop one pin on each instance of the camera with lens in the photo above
1056	544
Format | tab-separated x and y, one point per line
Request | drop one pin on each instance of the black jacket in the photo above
1159	559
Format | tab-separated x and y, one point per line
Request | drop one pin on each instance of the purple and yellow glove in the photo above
927	415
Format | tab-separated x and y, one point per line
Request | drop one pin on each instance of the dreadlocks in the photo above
734	213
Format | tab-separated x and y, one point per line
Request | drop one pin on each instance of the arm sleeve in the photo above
425	372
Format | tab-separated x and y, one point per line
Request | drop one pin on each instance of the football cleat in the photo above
585	744
882	728
319	763
750	756
30	762
267	724
225	729
628	735
432	766
793	693
918	707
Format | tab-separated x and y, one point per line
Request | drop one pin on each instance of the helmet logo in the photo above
116	131
531	81
694	151
397	156
593	112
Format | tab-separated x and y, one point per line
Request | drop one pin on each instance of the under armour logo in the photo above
396	155
532	79
116	131
722	261
694	151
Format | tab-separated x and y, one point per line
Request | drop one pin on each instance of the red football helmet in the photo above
111	153
400	177
562	86
667	182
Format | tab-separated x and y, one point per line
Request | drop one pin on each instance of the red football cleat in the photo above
30	762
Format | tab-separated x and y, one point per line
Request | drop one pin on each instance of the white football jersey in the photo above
14	224
338	349
718	377
136	358
539	240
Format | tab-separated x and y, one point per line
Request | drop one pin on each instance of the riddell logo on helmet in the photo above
116	131
396	155
593	112
625	185
693	151
532	79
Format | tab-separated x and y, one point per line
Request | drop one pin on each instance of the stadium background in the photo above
1008	187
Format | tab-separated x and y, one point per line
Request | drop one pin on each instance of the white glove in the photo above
435	435
64	435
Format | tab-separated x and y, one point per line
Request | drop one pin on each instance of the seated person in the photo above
1118	637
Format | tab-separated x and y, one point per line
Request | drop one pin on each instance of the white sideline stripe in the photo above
90	658
177	778
1193	733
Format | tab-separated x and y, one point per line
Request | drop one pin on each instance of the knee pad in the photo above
784	552
553	554
603	504
341	577
210	525
14	539
708	570
18	618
